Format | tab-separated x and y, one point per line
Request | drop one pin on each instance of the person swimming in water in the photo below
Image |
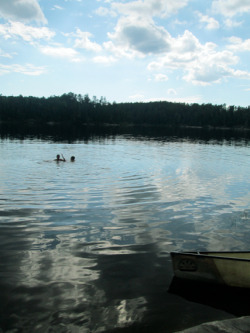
58	159
72	159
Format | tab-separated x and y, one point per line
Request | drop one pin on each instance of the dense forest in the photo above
78	109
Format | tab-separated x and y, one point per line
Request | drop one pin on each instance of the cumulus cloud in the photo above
141	36
83	41
120	50
27	33
21	10
185	44
210	22
200	64
231	7
137	34
205	74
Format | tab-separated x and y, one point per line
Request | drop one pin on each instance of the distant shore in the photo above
30	123
74	110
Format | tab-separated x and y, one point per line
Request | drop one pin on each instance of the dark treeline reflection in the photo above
73	134
77	109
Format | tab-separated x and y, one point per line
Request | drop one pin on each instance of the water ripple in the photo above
85	246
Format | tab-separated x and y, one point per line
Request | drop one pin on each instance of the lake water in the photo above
85	246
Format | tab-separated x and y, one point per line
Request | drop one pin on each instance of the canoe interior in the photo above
229	268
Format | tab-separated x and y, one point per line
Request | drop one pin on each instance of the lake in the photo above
85	246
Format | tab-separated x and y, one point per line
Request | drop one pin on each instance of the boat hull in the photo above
227	268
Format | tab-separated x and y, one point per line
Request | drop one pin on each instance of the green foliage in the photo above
77	109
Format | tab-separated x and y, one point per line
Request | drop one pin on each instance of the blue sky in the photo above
189	51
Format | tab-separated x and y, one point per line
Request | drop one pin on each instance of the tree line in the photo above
78	109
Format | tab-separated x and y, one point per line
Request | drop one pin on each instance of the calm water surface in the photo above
84	246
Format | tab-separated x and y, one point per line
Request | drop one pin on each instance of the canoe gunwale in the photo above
213	255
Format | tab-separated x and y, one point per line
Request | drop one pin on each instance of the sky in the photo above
188	51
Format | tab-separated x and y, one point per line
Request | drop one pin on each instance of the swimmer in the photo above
72	159
58	159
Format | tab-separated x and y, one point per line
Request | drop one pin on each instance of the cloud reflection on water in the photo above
88	248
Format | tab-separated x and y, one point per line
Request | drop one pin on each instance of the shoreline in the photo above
30	123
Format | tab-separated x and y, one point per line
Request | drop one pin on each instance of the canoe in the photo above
225	268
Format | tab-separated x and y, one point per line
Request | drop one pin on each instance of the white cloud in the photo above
172	91
61	52
145	38
120	51
185	44
57	7
205	74
229	23
21	10
177	22
22	69
200	64
231	7
5	55
104	11
141	36
240	74
149	8
83	41
27	33
104	60
212	67
187	99
161	77
137	97
211	23
239	45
